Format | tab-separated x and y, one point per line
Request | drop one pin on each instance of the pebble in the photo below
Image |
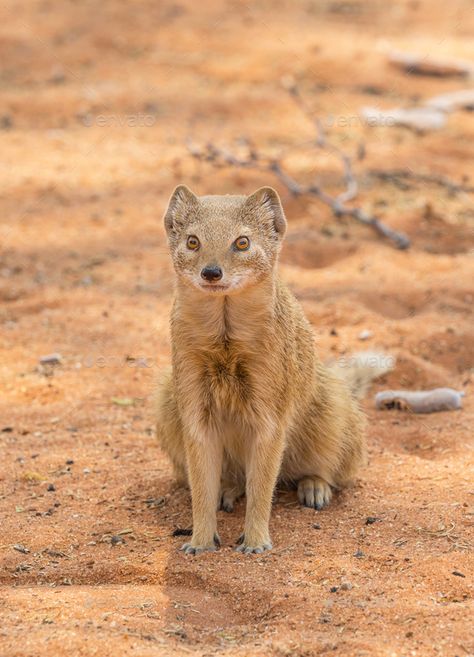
115	540
51	359
51	488
365	334
6	122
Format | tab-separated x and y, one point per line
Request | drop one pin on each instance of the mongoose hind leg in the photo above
314	492
228	498
232	485
169	430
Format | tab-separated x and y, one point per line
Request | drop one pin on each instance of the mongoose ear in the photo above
182	199
266	203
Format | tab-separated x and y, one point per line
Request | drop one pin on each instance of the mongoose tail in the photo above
360	369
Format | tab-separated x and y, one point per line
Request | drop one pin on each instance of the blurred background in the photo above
105	107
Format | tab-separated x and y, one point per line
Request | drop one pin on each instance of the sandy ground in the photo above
97	99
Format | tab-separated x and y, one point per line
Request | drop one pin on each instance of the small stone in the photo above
6	122
51	359
365	334
333	589
458	574
115	540
21	548
86	471
346	586
69	462
51	488
359	554
316	526
57	76
370	520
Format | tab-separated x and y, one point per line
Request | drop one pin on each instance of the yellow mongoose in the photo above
247	402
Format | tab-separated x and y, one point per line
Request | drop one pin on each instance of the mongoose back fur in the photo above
247	402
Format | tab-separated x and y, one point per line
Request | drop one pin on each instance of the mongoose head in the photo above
224	244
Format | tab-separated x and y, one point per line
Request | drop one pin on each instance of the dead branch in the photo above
322	142
253	159
415	64
402	178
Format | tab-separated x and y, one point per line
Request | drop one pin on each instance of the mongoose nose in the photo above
212	273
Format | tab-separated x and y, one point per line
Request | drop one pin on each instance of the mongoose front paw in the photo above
252	547
314	492
197	548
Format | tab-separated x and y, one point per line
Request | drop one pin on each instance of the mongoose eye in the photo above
242	243
193	243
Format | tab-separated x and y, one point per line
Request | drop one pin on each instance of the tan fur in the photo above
247	402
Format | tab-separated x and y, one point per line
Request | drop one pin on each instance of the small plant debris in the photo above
180	531
123	401
24	568
32	476
154	502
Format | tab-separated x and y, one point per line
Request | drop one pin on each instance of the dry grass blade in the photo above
443	531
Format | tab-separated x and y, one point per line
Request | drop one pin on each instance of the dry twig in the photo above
402	178
255	160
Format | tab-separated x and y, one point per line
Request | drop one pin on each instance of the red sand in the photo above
84	272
